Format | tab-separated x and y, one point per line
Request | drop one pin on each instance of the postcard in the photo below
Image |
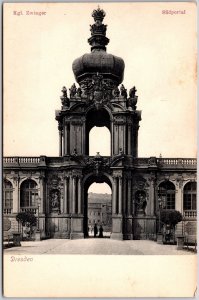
99	166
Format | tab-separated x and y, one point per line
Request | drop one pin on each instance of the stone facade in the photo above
70	178
61	183
100	210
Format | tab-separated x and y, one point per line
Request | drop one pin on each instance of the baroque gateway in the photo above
56	188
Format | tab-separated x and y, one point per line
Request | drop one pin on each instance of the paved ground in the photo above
95	246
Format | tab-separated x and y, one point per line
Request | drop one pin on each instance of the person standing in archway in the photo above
101	232
95	230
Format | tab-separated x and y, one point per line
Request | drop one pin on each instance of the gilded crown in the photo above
98	14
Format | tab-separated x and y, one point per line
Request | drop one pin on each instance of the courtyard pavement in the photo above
96	246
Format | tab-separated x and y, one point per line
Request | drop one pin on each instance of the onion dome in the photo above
98	61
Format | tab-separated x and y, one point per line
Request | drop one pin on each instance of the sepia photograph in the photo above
99	147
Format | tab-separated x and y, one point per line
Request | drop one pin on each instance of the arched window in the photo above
166	192
29	194
7	196
189	196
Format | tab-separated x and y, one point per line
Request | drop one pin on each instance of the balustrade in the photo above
177	161
7	211
190	213
108	159
21	160
29	209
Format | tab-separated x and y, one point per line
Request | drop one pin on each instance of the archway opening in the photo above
98	208
99	141
98	136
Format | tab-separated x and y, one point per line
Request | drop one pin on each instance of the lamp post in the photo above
37	234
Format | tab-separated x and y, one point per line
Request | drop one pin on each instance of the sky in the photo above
159	51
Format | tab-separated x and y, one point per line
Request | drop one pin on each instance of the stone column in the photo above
120	197
152	197
65	139
129	139
16	197
114	195
124	139
41	183
179	199
66	182
112	139
79	196
70	194
129	202
74	195
60	142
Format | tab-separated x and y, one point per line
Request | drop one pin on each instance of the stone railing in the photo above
21	160
177	161
140	161
7	211
190	213
32	209
165	161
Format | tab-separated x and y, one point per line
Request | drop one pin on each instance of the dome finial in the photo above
98	39
98	14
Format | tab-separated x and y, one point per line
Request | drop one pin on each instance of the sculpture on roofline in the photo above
64	98
123	91
73	90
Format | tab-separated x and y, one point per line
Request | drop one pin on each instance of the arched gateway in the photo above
99	102
55	188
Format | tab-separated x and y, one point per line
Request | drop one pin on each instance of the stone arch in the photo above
28	193
188	181
28	178
105	107
99	118
8	180
88	180
189	196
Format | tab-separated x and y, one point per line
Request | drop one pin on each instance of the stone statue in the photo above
74	152
123	91
79	92
55	201
132	101
140	203
116	92
64	98
132	92
73	90
121	152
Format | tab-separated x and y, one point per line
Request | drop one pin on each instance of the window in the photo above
7	195
189	196
166	192
29	194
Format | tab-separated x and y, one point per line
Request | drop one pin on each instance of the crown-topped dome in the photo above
98	61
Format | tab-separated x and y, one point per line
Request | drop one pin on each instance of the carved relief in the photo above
54	200
54	181
97	90
140	202
98	163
